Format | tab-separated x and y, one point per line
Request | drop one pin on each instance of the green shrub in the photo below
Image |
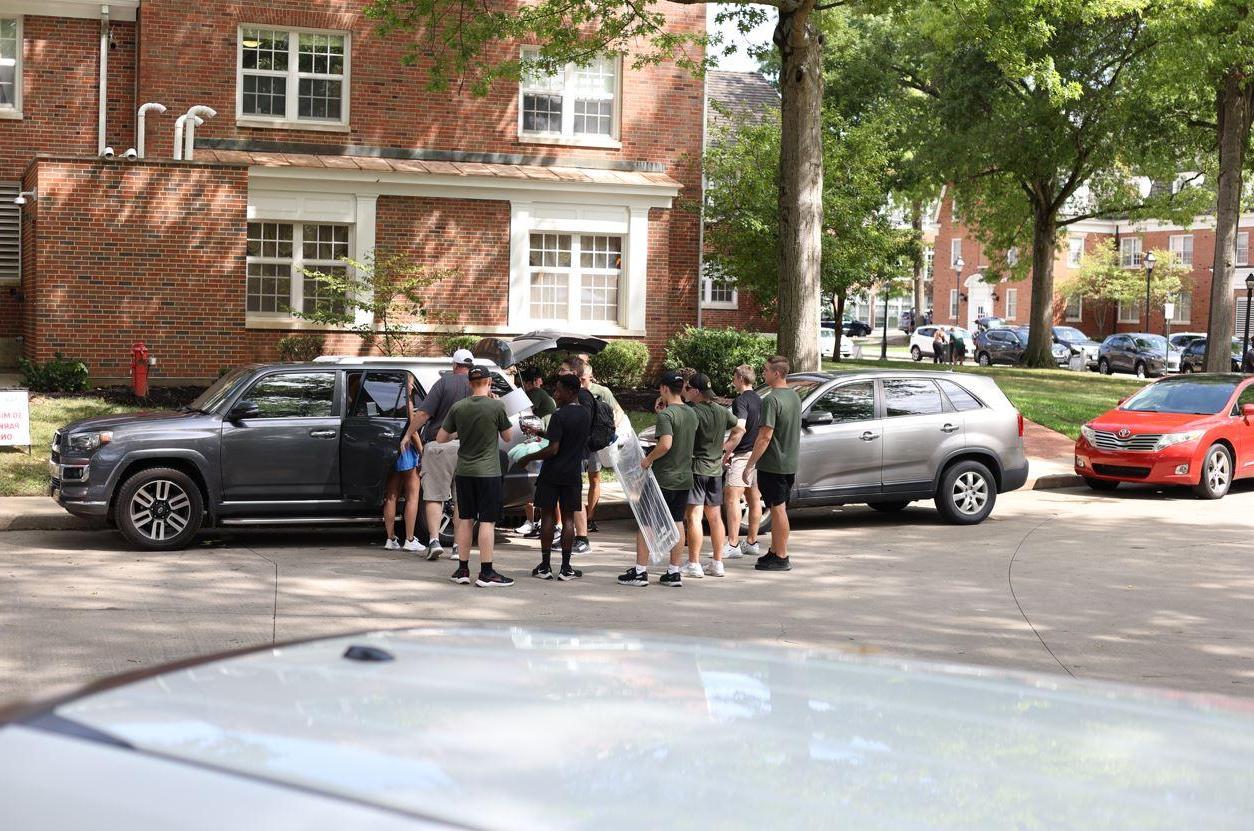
717	353
621	365
300	348
451	343
61	374
545	362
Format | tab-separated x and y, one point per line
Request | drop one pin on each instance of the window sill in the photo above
252	320
603	142
284	124
720	307
11	115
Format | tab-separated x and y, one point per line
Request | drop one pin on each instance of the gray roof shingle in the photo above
745	95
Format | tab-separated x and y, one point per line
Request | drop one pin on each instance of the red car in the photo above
1194	430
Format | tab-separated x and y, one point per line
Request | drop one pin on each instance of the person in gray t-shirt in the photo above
444	394
438	460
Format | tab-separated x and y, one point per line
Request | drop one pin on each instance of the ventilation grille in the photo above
10	232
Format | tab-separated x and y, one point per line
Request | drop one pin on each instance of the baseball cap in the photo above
463	356
672	379
699	382
478	373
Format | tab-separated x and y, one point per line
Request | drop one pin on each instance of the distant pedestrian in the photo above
711	447
478	422
671	462
957	346
747	408
439	459
542	406
775	457
940	346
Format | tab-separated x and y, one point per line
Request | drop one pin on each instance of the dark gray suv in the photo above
306	444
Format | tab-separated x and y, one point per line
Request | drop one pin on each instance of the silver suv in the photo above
891	438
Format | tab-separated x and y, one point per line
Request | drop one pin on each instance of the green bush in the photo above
300	348
717	353
621	365
451	343
545	362
61	374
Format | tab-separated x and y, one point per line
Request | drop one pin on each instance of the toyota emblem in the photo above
1123	433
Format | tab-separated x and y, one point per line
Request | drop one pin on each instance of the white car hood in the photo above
521	729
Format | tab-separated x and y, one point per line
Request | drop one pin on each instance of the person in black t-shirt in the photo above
747	408
560	483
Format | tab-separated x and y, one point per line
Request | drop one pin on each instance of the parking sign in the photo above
14	418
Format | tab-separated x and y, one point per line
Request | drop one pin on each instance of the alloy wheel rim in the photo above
1217	471
970	493
160	510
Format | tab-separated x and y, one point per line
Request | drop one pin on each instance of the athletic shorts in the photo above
438	463
676	503
706	490
407	460
776	488
736	471
592	462
568	497
480	497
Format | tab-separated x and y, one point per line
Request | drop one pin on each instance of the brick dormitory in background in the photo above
562	201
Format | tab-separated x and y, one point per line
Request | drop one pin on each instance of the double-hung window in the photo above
293	77
955	252
1012	304
576	104
1075	308
1182	247
953	304
1075	251
10	67
1128	311
279	253
1183	310
575	277
718	291
1130	252
1243	248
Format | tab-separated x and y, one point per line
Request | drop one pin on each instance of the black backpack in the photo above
602	432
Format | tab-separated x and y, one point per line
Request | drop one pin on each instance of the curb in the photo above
1056	481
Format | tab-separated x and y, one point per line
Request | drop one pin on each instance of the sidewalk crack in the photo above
1010	581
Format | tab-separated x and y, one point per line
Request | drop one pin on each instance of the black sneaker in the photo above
533	534
542	572
462	575
771	562
581	546
592	527
493	580
672	580
631	577
568	573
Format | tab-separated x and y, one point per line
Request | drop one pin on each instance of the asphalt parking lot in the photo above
1135	587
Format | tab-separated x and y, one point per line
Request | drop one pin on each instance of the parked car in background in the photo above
855	328
1009	345
827	342
1179	340
1078	343
1193	356
989	322
1194	430
1140	353
921	340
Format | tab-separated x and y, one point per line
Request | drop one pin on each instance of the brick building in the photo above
556	199
960	298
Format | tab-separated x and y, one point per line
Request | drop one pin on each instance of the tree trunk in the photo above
800	183
838	306
1044	250
1235	104
920	271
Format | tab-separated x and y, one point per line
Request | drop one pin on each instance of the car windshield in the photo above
1150	343
208	400
1069	334
802	386
1200	397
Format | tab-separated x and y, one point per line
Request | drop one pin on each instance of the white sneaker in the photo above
525	529
413	545
731	552
452	555
714	568
691	570
750	549
435	551
392	544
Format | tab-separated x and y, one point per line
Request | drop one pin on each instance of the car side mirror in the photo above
242	410
816	417
1247	411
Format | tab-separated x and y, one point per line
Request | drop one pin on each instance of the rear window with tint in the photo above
959	397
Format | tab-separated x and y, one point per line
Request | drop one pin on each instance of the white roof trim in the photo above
118	9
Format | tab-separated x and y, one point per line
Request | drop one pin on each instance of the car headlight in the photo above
87	442
1088	433
1169	439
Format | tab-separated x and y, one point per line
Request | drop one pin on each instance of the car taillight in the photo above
1020	415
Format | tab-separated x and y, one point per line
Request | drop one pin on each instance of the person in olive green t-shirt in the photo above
478	422
671	463
774	459
712	449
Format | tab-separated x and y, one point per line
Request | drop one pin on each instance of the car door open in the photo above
376	416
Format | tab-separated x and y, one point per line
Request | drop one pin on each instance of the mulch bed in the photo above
159	398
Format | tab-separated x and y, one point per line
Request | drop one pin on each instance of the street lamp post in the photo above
884	337
1149	261
959	265
1249	290
1169	311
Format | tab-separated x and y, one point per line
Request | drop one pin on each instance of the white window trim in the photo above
567	136
1179	252
1075	257
15	112
1079	315
573	275
1176	319
1236	258
954	306
1012	304
297	292
955	251
291	121
707	290
1122	308
1137	255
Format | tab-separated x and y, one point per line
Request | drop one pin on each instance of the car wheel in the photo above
1103	366
1100	484
1216	475
966	494
1140	370
1187	369
916	353
984	359
159	509
888	507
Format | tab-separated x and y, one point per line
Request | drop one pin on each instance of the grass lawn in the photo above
1055	398
27	475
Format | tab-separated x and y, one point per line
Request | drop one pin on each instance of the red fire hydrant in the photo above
139	370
